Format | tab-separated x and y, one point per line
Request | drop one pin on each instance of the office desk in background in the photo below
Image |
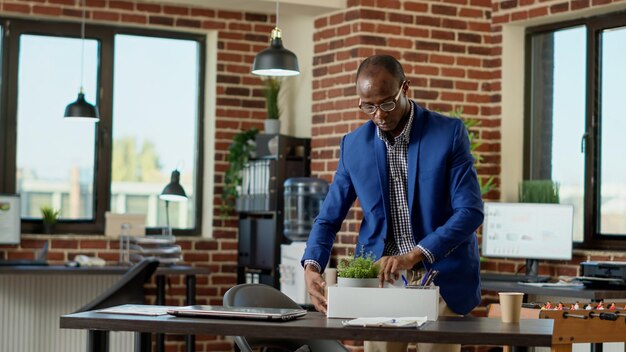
43	293
568	291
466	330
541	293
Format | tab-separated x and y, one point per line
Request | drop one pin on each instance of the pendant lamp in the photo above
276	60
81	109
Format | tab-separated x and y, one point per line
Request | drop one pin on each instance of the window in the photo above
574	125
148	86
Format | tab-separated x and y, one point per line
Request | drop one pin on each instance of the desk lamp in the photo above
173	192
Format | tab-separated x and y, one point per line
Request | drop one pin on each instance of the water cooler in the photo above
303	199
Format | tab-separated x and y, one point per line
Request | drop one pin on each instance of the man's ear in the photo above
405	88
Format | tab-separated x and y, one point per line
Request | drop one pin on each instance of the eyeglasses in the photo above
387	106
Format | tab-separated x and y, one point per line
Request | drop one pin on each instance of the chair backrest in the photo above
128	290
259	295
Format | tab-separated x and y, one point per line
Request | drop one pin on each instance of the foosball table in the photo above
585	326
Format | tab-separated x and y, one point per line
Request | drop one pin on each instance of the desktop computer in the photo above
530	231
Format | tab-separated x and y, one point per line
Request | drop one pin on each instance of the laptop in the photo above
254	313
41	259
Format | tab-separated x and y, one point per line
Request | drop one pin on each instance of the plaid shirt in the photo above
402	241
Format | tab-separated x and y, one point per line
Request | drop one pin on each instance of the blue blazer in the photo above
443	194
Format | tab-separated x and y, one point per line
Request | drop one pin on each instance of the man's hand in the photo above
315	285
390	265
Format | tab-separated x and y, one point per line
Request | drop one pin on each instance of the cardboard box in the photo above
113	224
368	302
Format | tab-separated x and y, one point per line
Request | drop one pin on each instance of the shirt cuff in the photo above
427	254
314	263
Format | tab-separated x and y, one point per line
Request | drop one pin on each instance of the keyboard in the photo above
23	262
512	277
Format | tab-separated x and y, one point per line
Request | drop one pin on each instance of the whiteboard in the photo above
528	231
10	220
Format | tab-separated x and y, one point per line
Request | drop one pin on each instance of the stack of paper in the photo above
384	322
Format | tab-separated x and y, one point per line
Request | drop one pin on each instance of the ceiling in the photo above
290	7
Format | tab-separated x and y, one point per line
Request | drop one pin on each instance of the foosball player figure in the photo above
612	306
600	305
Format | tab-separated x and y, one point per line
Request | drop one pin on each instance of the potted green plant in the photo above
271	90
485	185
358	271
538	191
49	216
239	152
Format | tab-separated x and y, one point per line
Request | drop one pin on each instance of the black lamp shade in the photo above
275	61
81	109
174	192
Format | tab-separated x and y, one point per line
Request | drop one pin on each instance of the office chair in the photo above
259	295
128	290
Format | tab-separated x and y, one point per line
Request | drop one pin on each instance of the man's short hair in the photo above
387	62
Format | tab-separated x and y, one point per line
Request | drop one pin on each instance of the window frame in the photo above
104	99
591	142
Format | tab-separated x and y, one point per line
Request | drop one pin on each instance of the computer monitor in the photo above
530	231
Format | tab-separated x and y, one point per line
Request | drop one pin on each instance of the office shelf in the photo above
261	202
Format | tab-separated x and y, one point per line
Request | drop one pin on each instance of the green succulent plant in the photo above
49	215
358	267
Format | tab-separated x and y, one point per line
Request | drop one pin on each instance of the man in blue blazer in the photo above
413	174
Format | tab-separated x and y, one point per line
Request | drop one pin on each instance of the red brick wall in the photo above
445	49
451	51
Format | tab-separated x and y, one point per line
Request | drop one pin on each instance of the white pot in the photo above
272	126
350	282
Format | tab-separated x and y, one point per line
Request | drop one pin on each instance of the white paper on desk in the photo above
551	284
136	309
385	322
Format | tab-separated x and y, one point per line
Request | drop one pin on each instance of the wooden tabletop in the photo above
467	330
103	270
575	292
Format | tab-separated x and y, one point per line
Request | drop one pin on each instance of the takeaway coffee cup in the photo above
511	306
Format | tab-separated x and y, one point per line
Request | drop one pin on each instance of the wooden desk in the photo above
189	272
574	292
466	330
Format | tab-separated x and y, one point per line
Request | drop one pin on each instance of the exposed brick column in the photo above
445	49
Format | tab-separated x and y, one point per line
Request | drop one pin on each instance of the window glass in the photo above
154	131
558	114
613	144
55	156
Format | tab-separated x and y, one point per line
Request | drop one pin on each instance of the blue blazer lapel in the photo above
414	147
380	152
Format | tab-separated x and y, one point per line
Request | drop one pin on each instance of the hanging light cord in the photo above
276	13
82	45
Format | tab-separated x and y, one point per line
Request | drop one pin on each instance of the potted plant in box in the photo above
358	271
